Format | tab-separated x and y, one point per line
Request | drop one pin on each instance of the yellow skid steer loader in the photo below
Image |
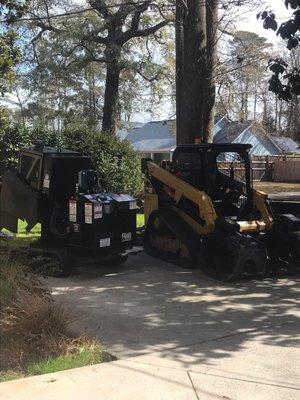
200	213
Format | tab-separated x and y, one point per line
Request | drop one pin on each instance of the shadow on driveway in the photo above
149	306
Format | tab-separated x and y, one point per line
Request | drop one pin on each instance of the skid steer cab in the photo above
201	210
80	223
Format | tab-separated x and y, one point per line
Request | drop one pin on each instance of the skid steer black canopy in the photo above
203	166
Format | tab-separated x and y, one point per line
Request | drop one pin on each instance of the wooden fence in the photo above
287	170
281	168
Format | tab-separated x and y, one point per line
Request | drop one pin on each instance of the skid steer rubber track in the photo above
170	238
222	257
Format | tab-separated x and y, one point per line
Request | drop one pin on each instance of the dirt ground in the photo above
277	187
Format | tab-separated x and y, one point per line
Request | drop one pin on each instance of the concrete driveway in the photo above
155	313
178	335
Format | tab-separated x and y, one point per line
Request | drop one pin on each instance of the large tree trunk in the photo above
111	95
195	60
180	15
211	32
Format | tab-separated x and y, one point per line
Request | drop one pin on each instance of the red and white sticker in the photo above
72	210
97	211
88	213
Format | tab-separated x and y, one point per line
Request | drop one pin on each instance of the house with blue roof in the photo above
157	139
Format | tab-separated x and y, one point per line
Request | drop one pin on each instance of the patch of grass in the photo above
36	230
140	220
35	335
84	355
16	278
23	239
79	353
10	376
6	291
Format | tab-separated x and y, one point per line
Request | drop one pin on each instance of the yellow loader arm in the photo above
178	188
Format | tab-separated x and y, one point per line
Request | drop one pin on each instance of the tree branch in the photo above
94	37
126	36
92	56
137	15
100	6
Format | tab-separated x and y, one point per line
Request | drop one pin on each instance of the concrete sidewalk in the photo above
178	335
137	379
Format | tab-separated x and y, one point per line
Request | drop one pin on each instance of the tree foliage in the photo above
10	11
117	164
105	34
285	82
242	74
66	62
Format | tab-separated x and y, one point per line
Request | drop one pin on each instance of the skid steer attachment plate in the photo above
250	258
283	244
233	256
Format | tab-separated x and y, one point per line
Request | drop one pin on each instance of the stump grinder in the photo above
79	222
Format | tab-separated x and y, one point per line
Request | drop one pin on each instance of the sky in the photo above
250	23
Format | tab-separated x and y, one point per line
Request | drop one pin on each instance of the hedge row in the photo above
117	164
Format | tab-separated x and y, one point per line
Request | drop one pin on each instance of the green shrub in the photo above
15	136
11	138
117	164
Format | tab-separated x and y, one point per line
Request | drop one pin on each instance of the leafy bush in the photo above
11	138
117	164
15	136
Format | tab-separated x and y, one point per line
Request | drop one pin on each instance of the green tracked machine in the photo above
200	214
80	223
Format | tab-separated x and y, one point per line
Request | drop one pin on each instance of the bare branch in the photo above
126	36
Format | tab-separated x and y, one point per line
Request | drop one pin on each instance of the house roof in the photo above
160	136
218	118
157	136
154	136
261	144
126	127
287	144
230	131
